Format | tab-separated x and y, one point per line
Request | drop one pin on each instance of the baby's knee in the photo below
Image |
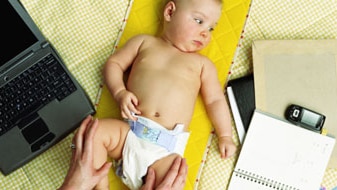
101	133
107	129
111	134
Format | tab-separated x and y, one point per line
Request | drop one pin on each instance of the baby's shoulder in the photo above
144	40
139	41
143	37
204	60
207	65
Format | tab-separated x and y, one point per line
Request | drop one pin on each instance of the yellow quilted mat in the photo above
144	17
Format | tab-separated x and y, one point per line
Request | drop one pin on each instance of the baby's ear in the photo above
170	7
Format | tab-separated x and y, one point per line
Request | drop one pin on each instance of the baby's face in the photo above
191	24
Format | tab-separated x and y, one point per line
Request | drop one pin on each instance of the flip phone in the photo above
304	117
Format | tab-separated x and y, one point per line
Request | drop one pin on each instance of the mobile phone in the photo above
304	117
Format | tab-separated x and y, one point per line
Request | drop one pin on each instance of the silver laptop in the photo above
40	101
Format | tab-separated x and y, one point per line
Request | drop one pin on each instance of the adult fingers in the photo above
180	180
173	172
150	180
80	134
89	138
103	171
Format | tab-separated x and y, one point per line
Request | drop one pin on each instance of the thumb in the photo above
150	180
104	170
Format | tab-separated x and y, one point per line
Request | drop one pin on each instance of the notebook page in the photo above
284	153
303	72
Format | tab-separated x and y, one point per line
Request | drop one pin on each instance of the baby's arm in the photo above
217	108
113	73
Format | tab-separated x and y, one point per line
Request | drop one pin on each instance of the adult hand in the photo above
175	178
82	174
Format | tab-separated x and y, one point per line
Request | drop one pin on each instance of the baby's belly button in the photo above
151	114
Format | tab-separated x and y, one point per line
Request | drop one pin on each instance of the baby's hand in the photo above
127	104
226	146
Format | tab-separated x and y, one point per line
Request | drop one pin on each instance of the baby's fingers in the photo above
134	104
227	151
222	152
230	151
126	114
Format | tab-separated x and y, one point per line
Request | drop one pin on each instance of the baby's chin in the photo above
186	46
188	49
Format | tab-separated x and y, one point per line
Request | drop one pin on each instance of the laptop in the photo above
40	101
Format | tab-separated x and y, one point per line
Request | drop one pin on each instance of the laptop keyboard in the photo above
31	90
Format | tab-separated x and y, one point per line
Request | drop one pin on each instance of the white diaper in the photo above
140	152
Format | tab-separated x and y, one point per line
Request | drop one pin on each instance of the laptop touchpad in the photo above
35	130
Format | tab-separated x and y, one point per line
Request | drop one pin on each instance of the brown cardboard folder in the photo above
302	72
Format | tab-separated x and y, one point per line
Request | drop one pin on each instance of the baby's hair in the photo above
219	1
164	2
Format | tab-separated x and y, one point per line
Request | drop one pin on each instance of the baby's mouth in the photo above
198	43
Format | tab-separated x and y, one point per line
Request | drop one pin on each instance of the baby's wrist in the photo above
117	94
67	187
225	137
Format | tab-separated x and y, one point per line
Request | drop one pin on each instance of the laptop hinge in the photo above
9	68
44	44
25	57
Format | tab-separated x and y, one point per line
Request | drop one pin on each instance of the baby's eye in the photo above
199	21
210	29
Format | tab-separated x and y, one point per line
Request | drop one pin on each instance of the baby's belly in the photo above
167	113
166	99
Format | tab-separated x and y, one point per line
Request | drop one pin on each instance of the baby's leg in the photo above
162	166
109	141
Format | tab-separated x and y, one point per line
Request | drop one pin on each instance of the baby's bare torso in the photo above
166	82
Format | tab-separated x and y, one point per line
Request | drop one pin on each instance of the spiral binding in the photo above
272	184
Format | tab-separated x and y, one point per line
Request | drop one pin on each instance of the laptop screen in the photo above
15	33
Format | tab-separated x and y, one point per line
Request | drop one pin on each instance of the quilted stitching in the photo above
144	18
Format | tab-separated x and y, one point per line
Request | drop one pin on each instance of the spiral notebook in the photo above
302	72
281	156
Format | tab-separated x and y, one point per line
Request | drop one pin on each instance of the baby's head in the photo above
188	23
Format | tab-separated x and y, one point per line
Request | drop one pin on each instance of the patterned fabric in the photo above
293	19
272	19
84	33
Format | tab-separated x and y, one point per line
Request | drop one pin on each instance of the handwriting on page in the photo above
306	160
286	153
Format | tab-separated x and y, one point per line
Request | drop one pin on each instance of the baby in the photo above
158	99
